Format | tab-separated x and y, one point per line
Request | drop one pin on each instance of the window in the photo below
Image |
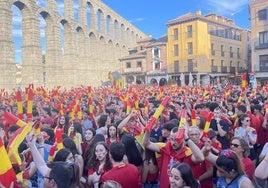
263	38
175	34
190	48
139	63
212	49
262	14
157	65
231	52
176	50
222	50
156	52
176	66
190	65
189	31
128	64
238	52
221	32
263	62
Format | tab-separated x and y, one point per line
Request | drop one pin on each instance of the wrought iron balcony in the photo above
232	70
259	46
136	69
224	69
214	69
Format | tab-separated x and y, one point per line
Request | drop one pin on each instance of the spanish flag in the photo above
207	124
15	141
19	104
30	95
240	98
90	103
51	153
13	119
244	81
157	113
193	117
183	118
136	101
59	133
7	174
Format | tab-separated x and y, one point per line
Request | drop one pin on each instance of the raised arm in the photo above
125	121
148	144
38	159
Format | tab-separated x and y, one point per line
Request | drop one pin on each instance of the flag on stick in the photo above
13	119
15	141
19	104
157	113
193	117
207	124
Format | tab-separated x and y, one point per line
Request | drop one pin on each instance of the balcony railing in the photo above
224	69
136	69
232	70
259	46
214	69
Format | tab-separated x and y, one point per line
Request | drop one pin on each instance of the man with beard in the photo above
175	150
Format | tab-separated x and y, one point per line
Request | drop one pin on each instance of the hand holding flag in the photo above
157	113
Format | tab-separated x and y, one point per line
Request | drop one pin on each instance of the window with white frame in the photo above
263	37
156	65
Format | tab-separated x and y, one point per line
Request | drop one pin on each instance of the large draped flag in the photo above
7	174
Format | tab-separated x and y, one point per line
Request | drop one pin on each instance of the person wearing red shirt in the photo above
174	151
112	135
127	175
202	171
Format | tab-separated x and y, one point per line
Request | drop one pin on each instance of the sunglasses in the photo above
235	145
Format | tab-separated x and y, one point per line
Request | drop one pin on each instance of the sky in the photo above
149	16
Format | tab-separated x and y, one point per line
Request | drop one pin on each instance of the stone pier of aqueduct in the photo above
84	54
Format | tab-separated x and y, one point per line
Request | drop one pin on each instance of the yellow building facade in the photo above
206	49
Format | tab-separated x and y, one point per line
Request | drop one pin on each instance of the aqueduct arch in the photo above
91	47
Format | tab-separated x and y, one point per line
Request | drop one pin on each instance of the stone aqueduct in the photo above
90	51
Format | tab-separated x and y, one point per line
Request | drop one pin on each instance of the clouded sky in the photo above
151	16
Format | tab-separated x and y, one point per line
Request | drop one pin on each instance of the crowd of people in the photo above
201	137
